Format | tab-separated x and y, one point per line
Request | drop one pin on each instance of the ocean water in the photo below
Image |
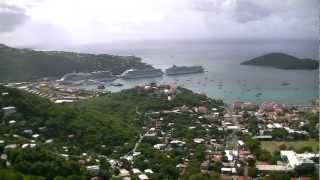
225	78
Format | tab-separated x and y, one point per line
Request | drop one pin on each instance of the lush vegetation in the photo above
272	146
107	125
164	162
312	126
261	154
6	174
283	61
42	162
26	64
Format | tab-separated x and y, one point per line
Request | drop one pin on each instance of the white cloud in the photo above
98	21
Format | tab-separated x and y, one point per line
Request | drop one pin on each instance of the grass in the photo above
15	175
272	146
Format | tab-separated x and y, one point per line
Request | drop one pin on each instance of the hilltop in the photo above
283	61
27	64
150	132
51	140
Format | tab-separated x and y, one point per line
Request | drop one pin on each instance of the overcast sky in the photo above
82	22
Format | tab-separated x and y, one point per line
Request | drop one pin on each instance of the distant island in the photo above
27	64
283	61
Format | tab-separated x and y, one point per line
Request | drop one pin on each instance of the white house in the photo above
9	110
143	177
293	159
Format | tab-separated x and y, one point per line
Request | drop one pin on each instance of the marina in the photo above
219	76
224	77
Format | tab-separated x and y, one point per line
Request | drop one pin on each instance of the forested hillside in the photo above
25	64
108	125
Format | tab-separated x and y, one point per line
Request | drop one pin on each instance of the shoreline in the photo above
92	90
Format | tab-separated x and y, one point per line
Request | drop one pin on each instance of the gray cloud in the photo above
11	17
246	11
12	8
207	6
50	22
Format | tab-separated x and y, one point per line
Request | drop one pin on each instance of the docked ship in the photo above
74	78
176	70
141	73
116	84
99	76
102	76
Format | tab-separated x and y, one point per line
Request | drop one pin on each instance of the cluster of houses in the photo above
163	129
55	92
141	175
167	92
222	146
231	152
27	138
272	116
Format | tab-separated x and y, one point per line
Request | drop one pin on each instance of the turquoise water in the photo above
224	77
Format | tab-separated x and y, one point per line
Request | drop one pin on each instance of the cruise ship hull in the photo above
141	76
136	74
180	71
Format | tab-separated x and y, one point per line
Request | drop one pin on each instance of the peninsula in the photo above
27	64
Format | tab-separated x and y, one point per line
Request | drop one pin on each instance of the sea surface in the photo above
225	78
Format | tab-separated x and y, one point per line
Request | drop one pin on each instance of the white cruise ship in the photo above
74	78
176	70
141	73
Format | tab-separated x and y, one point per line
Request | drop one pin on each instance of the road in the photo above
138	142
232	139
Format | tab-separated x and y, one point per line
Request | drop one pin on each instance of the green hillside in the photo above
108	125
25	64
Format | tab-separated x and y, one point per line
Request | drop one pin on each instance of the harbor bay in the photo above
224	77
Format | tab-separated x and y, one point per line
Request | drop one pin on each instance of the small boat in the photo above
116	84
89	82
258	94
285	84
